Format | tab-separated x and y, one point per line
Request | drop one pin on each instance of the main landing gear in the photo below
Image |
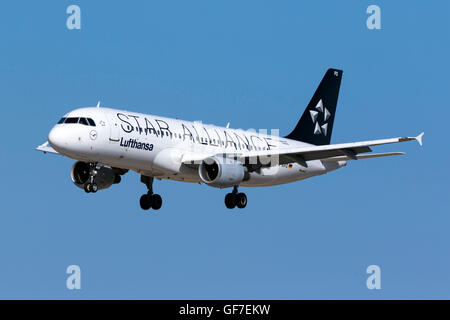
235	199
90	185
150	200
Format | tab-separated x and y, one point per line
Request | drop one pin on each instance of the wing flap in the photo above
364	156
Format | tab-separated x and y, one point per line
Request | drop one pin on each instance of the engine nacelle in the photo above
104	178
222	172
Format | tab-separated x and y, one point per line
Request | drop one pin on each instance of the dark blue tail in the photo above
316	124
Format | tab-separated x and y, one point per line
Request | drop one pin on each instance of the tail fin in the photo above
316	124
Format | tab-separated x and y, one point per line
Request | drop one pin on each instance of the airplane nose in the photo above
57	138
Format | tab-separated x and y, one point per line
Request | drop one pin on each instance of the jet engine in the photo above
104	177
222	172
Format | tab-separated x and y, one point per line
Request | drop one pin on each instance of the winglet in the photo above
419	138
98	104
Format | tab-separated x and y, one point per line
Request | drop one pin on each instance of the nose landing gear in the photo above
235	199
150	200
90	185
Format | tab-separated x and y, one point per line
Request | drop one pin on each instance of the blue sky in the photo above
255	64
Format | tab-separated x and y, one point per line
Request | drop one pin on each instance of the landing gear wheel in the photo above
145	202
94	187
87	187
230	200
156	201
241	200
150	200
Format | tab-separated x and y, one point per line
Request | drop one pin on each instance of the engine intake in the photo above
104	178
222	172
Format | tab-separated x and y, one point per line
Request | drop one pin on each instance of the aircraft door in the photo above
113	127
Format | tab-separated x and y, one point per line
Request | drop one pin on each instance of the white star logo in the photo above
318	129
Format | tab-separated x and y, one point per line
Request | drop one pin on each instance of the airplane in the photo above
106	143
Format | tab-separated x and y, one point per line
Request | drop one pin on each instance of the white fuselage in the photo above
156	146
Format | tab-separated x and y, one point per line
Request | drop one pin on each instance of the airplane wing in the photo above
330	152
346	150
46	148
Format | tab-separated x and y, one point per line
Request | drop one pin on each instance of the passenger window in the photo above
83	121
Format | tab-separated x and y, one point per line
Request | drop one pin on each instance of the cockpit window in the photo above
91	122
83	121
71	120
